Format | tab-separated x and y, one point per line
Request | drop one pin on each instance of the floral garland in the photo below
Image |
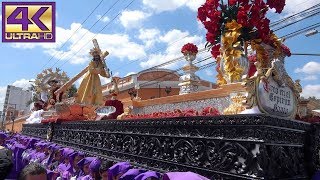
189	48
207	111
232	24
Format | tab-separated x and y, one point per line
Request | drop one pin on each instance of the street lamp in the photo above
168	90
12	119
132	92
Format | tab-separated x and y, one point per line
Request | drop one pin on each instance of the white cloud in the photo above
171	5
311	90
310	78
104	80
133	19
149	36
130	73
209	72
194	4
3	91
77	49
22	83
309	68
174	40
294	6
103	19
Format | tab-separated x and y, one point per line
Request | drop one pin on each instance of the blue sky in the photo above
140	37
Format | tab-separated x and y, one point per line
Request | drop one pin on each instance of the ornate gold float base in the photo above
236	105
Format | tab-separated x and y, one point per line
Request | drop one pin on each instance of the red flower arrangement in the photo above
208	111
250	14
189	48
235	24
285	50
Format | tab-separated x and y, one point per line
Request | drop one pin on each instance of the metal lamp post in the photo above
12	119
168	90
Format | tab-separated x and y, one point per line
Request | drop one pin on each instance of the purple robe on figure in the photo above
148	174
118	168
83	162
183	176
131	174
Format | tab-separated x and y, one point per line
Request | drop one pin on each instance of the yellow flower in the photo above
233	25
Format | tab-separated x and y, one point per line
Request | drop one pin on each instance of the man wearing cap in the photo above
74	159
94	167
84	166
3	137
117	170
149	175
105	165
131	174
56	157
6	162
183	176
65	165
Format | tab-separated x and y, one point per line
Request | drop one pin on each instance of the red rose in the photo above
210	37
242	18
189	47
202	13
285	50
215	16
211	26
232	2
215	50
212	4
278	5
243	2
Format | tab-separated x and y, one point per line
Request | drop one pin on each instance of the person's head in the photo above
86	169
118	169
66	152
53	83
77	157
57	155
105	165
33	171
96	58
3	137
149	175
5	162
85	163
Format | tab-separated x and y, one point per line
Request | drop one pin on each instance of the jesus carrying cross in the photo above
90	90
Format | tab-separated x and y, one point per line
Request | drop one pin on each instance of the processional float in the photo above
88	102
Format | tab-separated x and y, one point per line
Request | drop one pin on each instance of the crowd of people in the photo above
29	158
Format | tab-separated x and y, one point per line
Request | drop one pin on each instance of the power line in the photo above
157	50
88	30
293	16
300	31
304	54
173	72
73	34
172	61
308	15
96	34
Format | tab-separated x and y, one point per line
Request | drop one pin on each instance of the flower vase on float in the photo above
189	82
232	27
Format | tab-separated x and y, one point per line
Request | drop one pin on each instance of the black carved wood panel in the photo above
228	147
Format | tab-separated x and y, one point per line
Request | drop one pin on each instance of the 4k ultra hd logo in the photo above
28	22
